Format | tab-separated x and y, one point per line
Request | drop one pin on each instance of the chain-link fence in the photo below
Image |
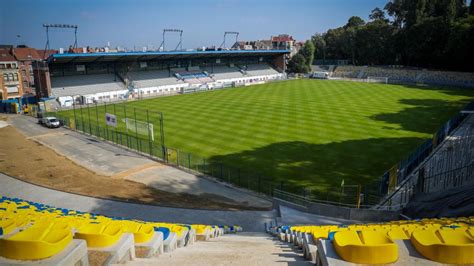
134	128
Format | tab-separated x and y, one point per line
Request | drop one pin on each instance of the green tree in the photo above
297	64
425	33
459	47
307	51
319	45
394	9
374	43
354	21
377	14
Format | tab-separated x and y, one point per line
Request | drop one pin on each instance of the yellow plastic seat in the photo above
99	235
397	234
7	225
200	229
179	230
470	231
320	233
142	233
444	246
35	243
367	247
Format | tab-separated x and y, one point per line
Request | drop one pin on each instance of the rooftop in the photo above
6	56
133	56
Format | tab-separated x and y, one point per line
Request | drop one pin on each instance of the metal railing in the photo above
449	166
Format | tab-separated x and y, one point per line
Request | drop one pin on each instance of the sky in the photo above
139	23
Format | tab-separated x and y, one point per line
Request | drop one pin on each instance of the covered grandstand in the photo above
104	77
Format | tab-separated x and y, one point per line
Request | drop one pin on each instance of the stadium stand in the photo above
224	72
34	233
100	87
147	83
152	78
144	74
405	75
403	242
194	77
260	70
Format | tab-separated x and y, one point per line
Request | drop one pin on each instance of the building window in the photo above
5	76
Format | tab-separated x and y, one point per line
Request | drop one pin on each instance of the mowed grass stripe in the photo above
303	132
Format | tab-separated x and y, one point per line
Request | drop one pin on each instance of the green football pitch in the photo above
312	133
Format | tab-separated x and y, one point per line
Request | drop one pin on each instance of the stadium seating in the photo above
32	231
224	72
194	77
260	70
406	75
85	85
424	241
152	78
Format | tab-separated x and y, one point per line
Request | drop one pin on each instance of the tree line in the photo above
436	34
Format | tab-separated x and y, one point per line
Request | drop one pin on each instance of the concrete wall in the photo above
343	212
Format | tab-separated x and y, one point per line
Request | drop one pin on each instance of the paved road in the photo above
106	159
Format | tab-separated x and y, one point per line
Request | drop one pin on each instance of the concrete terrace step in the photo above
232	249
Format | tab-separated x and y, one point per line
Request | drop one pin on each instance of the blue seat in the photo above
164	230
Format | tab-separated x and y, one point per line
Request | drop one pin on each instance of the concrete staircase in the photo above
231	249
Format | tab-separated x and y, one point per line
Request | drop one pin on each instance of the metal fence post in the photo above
126	124
82	120
106	125
97	121
149	137
74	111
177	157
89	115
162	133
136	128
115	114
189	160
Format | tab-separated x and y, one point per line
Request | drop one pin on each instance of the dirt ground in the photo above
30	161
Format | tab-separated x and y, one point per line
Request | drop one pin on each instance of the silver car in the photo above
50	121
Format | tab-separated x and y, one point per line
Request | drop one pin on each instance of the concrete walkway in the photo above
240	249
249	220
109	160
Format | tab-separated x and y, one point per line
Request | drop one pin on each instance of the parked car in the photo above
50	121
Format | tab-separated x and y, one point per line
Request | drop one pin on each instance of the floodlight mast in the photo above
229	33
62	26
180	44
